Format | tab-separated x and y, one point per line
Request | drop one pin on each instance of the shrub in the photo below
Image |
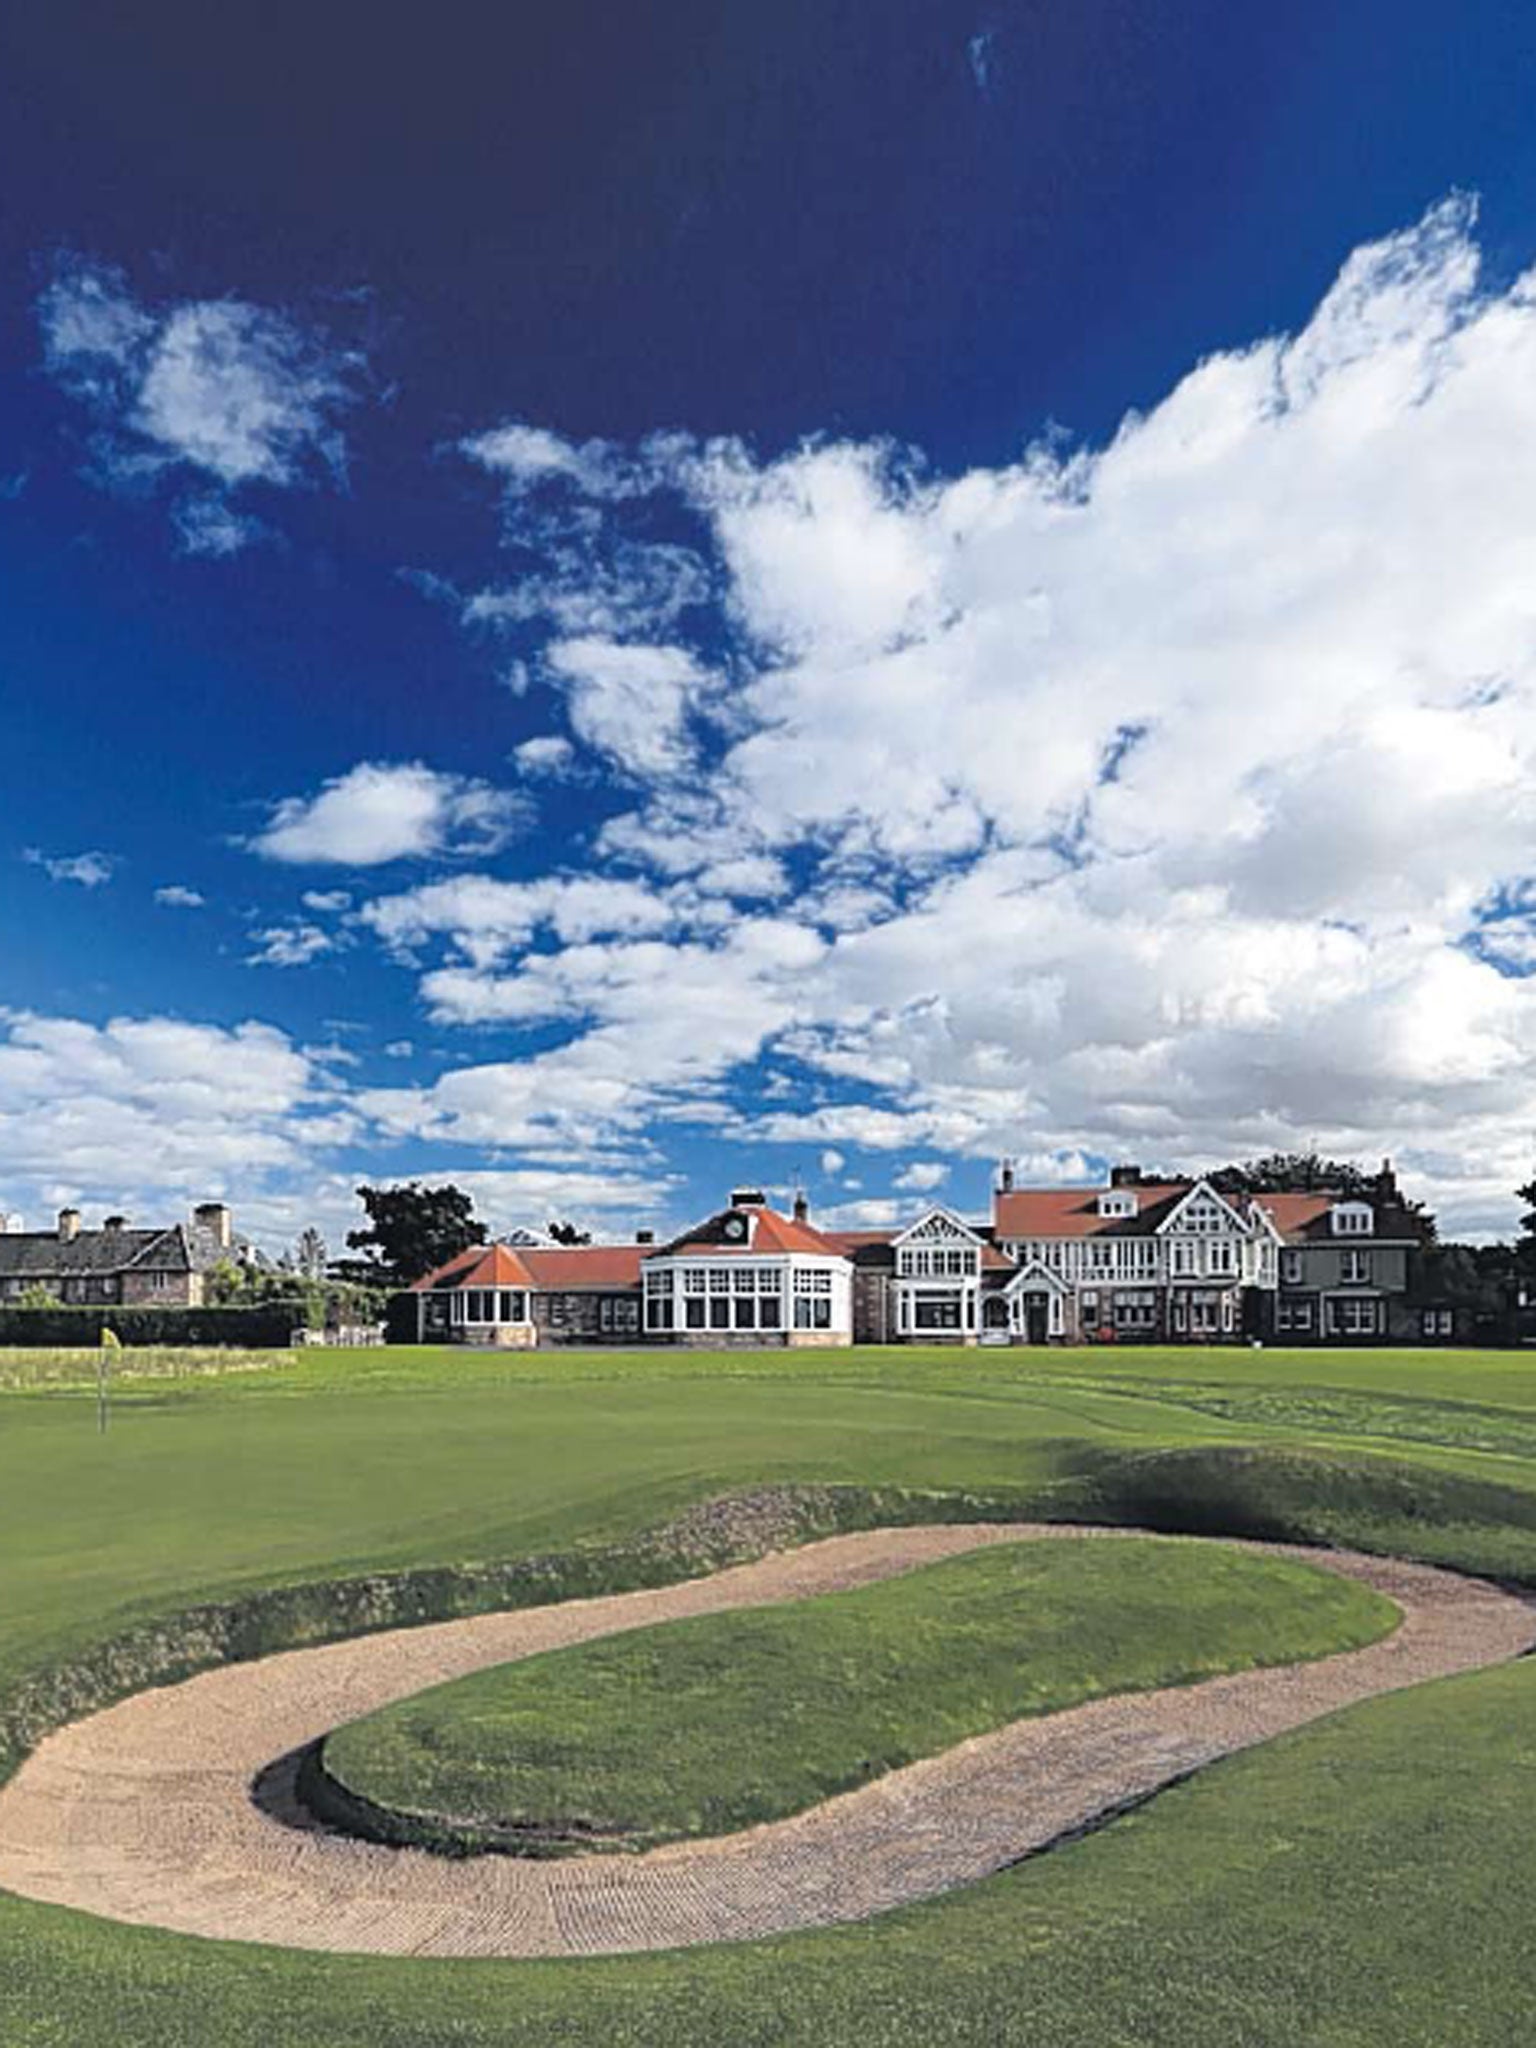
252	1329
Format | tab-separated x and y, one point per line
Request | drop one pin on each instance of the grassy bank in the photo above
1214	1916
701	1727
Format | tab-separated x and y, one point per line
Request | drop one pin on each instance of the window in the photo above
658	1298
694	1280
813	1299
936	1312
693	1312
720	1307
1294	1316
1352	1219
770	1311
1290	1268
1439	1322
1353	1318
1221	1256
1183	1258
1355	1268
514	1307
1135	1311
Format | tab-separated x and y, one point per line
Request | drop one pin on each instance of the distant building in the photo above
1142	1260
119	1264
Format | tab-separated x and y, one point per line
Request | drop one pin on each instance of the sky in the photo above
602	602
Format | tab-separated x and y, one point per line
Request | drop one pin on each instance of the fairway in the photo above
428	1476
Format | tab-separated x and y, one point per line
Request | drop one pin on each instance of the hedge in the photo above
247	1329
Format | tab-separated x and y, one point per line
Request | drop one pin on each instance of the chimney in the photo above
645	1237
1005	1177
69	1225
215	1218
748	1198
1125	1176
113	1224
802	1208
1386	1183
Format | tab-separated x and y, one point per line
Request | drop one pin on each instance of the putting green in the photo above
701	1727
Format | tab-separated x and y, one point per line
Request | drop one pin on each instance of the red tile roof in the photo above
768	1234
483	1265
1295	1215
555	1270
1074	1212
586	1265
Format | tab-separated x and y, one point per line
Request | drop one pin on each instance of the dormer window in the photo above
1117	1202
1352	1219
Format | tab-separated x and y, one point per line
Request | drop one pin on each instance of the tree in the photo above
1293	1173
567	1233
38	1296
1525	1244
411	1231
310	1256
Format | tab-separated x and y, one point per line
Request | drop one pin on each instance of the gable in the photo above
939	1226
1203	1213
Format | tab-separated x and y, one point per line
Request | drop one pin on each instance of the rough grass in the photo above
700	1727
1367	1884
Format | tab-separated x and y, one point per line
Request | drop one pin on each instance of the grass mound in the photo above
701	1727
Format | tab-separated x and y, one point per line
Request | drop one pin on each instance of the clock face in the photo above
735	1226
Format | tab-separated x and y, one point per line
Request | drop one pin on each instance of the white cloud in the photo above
326	902
631	703
149	1106
923	1175
522	456
382	811
1151	798
227	391
289	945
211	526
832	1162
548	754
87	870
486	919
177	896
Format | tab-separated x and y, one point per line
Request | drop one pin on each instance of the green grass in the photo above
703	1726
1368	1884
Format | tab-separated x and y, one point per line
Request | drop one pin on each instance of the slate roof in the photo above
44	1255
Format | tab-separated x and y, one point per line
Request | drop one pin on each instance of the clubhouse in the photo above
1148	1260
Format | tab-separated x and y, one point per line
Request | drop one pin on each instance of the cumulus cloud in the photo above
177	896
923	1175
86	870
213	394
152	1105
1172	796
382	811
631	703
548	754
289	945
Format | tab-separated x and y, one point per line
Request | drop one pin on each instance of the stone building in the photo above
119	1264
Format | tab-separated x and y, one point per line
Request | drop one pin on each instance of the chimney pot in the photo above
1124	1176
748	1198
645	1237
69	1225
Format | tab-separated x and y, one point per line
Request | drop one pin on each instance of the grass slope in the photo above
700	1727
1367	1884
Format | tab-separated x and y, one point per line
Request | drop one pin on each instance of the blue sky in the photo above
600	601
